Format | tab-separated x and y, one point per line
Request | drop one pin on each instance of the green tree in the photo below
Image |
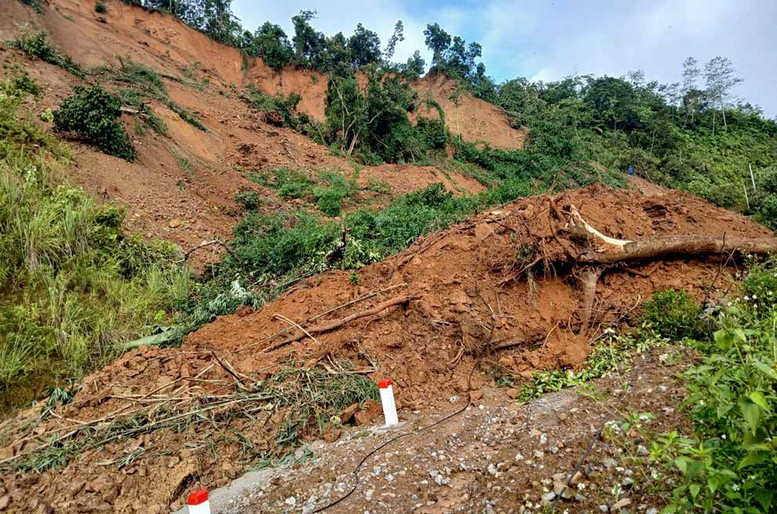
438	41
309	45
364	47
271	44
397	37
414	67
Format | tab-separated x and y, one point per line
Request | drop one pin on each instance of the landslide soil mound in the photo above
158	423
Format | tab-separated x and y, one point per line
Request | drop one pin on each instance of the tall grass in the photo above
73	285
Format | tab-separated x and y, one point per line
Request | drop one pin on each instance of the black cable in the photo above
372	452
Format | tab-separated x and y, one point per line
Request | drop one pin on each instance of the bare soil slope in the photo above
475	120
182	186
453	303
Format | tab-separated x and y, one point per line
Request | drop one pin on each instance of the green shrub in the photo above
37	45
19	83
673	314
730	462
290	183
35	4
330	198
248	200
92	113
99	7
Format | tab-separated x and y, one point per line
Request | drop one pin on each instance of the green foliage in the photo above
35	4
271	44
329	198
730	464
281	111
99	7
92	113
248	200
146	115
373	123
18	82
37	45
73	285
764	201
611	354
673	314
141	83
618	122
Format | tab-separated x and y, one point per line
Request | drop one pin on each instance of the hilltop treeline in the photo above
689	135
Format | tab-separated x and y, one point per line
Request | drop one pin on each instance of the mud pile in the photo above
468	298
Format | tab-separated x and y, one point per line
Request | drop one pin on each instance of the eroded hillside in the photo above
183	184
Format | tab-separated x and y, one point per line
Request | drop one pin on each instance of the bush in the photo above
673	314
37	45
92	113
730	464
248	200
99	7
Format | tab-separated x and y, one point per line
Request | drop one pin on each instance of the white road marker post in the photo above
198	502
387	399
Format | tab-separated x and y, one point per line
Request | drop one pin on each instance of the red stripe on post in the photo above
197	497
383	384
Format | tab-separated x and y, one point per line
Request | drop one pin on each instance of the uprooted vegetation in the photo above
523	293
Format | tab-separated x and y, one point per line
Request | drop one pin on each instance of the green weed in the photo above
37	45
73	285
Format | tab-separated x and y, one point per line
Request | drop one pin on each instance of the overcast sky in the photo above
550	40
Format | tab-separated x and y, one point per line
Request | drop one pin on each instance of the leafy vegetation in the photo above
677	135
37	45
672	314
281	111
73	286
92	113
730	462
611	354
140	83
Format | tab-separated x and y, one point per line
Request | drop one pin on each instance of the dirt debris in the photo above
465	305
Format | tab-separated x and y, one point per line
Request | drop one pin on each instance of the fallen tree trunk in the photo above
603	249
677	246
329	326
600	253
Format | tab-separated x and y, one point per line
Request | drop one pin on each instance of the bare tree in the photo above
690	92
720	77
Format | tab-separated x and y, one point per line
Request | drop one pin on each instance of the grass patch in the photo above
37	45
183	163
145	82
73	285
